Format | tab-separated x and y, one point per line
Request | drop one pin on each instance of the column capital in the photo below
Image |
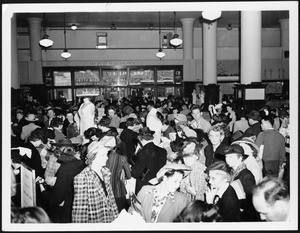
187	21
35	20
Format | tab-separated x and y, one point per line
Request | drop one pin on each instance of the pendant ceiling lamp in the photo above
211	15
45	41
65	54
160	54
175	41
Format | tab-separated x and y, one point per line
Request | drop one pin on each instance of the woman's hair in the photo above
37	134
199	211
90	132
105	121
131	121
170	174
29	215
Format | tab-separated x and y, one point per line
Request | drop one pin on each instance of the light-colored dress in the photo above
87	117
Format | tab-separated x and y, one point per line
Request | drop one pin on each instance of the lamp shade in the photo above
175	40
73	26
45	41
211	15
65	54
160	53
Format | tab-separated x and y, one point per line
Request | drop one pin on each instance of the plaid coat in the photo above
90	204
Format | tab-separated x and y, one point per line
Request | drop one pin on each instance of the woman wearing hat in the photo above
31	125
242	180
221	193
94	201
162	202
148	160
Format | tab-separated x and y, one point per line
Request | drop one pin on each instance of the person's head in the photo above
111	111
218	174
150	105
253	117
216	134
250	148
57	123
103	124
91	134
70	116
146	134
196	112
29	215
267	122
191	151
235	155
180	119
37	137
199	211
271	199
19	114
50	113
170	176
229	108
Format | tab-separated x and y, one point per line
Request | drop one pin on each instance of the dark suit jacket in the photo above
150	159
229	206
212	156
254	129
129	137
62	191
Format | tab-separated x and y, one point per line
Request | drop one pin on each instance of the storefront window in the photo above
114	77
79	92
87	77
165	76
137	77
63	94
62	78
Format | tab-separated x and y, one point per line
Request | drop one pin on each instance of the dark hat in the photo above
236	149
64	142
218	166
254	115
146	131
127	110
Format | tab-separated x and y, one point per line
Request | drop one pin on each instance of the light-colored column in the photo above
284	34
250	47
15	80
209	53
188	37
34	37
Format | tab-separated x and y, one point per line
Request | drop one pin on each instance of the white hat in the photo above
170	167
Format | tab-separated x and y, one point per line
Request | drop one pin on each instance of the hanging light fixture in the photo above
160	54
45	41
175	41
73	26
211	15
65	54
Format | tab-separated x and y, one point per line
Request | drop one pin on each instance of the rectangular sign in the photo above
28	191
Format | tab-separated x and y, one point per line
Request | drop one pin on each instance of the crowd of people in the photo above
99	161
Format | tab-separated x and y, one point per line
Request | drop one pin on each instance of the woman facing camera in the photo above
162	202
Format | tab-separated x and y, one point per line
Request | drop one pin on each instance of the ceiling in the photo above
270	19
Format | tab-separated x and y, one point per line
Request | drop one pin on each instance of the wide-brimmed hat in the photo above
77	140
31	117
236	149
254	115
218	166
64	142
169	167
180	118
146	131
246	140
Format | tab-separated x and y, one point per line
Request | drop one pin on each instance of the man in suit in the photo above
149	159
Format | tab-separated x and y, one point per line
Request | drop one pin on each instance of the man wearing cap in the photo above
255	128
221	193
31	125
148	160
59	199
274	154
